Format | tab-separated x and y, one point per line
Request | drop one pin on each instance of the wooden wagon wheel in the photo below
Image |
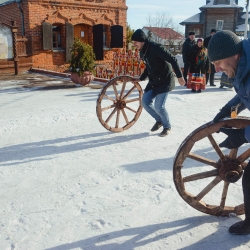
119	103
217	178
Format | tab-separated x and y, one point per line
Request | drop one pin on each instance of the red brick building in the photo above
50	28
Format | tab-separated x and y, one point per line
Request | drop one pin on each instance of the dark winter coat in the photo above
160	64
241	83
206	41
186	49
198	59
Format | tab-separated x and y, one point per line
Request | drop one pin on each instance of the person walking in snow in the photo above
186	49
160	64
232	56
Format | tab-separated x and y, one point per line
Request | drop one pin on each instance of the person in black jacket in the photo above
211	72
160	64
186	49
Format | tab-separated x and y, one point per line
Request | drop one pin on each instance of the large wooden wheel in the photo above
119	103
214	171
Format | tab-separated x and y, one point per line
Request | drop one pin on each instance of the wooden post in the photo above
14	40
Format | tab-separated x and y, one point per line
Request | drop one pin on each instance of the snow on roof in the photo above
243	16
193	19
241	27
211	4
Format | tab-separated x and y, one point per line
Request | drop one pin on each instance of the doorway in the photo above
81	31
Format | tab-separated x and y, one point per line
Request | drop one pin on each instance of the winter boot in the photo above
165	132
240	228
156	126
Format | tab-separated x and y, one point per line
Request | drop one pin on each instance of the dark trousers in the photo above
185	73
246	191
211	78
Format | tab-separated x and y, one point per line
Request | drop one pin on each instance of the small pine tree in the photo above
129	35
82	57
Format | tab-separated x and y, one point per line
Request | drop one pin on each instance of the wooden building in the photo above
216	14
48	29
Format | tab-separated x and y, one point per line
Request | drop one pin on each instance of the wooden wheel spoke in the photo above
216	146
108	107
200	176
123	88
111	115
111	99
117	118
201	159
130	109
224	195
125	116
133	100
241	158
129	92
233	153
244	164
208	188
116	92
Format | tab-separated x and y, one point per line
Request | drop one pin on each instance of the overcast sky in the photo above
179	10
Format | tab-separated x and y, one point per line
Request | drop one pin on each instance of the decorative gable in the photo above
56	17
104	20
83	19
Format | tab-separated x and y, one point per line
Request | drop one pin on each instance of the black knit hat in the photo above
213	31
223	44
139	36
191	33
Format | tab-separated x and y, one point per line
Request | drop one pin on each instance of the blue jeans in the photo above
156	110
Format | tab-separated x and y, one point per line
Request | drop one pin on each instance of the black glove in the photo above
236	137
224	112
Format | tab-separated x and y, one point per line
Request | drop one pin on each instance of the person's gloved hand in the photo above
224	112
236	137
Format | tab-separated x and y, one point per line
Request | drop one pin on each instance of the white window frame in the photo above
219	24
197	31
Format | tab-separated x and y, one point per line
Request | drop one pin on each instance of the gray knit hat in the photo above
223	44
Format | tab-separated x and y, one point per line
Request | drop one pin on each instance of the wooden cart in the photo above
217	172
119	103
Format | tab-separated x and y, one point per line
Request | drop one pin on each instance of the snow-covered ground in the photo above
68	183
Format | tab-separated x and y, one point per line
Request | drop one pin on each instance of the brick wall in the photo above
89	12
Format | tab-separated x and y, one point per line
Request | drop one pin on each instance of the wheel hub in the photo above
230	170
120	104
